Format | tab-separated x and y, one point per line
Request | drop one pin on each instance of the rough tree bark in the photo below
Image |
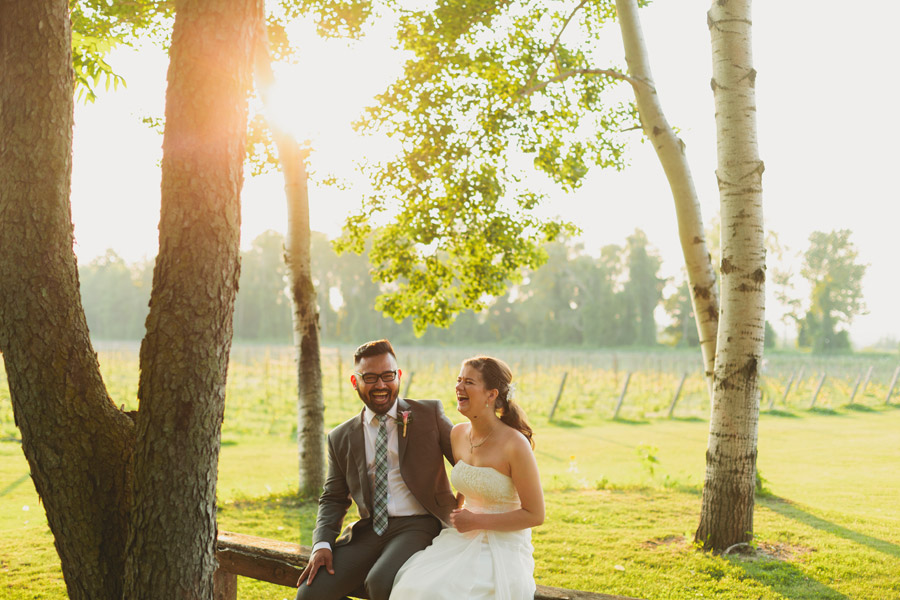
297	257
76	441
78	444
184	355
670	151
727	512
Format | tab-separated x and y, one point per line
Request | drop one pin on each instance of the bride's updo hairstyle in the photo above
497	375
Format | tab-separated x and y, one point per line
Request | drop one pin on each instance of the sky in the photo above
826	96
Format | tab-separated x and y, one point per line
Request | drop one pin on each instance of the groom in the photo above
388	460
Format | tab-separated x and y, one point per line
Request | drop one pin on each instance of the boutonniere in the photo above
407	417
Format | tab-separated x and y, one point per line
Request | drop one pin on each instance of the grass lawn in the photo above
622	503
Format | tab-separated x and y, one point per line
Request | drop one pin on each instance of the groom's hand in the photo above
320	558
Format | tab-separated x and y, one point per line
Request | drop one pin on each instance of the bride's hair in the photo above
497	375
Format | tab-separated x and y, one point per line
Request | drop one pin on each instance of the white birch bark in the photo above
310	400
670	151
297	257
727	512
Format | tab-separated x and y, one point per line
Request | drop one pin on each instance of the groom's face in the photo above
379	395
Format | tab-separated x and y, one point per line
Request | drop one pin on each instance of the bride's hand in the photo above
463	520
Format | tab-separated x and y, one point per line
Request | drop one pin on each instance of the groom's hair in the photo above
374	348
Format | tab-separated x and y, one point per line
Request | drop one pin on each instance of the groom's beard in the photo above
380	400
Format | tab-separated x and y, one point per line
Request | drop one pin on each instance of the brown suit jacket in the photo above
422	453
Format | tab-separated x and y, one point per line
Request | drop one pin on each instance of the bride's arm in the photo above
525	476
457	442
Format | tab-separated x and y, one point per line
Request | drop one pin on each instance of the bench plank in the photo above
282	562
261	558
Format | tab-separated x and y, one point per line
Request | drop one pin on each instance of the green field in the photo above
622	496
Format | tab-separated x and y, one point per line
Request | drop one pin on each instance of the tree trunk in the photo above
184	355
77	443
727	513
670	151
825	341
297	257
310	406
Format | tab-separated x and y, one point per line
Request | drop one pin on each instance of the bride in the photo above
487	553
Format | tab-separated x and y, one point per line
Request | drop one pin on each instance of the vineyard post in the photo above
893	383
855	387
562	384
816	393
787	390
622	396
866	380
677	394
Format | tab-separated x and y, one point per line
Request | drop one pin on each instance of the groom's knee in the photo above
325	587
379	583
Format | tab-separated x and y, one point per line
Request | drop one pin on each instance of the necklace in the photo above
473	445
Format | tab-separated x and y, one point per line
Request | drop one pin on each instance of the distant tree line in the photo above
574	299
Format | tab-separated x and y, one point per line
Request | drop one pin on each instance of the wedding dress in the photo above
478	564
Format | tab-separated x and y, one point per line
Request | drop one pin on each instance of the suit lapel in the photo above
358	456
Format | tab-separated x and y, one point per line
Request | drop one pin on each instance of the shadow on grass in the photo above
784	578
15	484
828	412
565	423
688	419
694	489
778	412
549	456
788	509
631	421
860	408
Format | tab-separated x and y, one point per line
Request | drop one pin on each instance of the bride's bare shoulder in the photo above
459	430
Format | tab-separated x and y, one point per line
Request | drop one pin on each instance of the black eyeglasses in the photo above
374	377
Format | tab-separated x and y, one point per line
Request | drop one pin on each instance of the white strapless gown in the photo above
477	564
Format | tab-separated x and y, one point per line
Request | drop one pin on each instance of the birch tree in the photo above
726	516
297	256
130	499
671	153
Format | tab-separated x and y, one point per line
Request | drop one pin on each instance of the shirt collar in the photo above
369	416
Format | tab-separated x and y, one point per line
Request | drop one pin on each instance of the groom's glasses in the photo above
374	377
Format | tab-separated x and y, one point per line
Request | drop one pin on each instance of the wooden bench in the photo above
282	562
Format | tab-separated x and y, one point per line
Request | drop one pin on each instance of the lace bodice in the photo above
486	489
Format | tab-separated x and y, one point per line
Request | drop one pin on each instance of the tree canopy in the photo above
832	268
98	26
492	92
574	299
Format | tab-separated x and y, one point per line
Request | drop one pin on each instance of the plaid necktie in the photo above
380	518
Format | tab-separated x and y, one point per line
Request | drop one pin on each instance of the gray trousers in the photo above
365	567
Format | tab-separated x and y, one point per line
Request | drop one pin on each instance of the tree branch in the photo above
573	72
552	49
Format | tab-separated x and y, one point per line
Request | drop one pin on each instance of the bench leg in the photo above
224	585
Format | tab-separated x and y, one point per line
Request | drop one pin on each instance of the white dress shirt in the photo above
401	502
